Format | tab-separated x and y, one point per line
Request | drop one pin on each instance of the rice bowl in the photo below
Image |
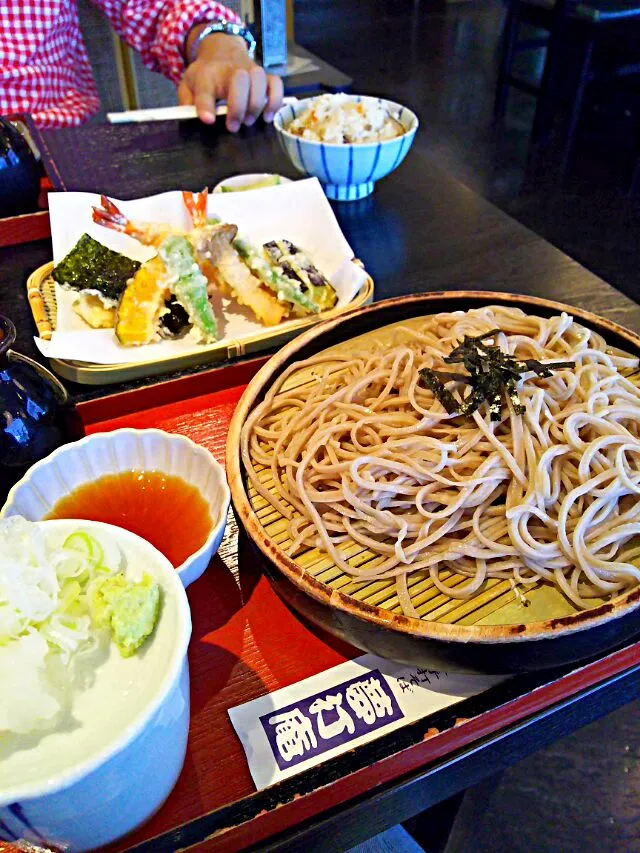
347	170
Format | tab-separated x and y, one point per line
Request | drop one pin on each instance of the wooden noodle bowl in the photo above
490	632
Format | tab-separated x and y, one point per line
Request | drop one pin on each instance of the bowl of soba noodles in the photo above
450	479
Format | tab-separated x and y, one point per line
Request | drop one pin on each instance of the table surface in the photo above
325	78
421	230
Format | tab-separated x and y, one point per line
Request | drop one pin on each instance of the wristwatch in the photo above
222	27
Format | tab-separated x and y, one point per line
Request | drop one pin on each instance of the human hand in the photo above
223	70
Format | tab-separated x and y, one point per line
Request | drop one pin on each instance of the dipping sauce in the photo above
161	508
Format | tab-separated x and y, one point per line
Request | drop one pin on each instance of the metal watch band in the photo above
226	28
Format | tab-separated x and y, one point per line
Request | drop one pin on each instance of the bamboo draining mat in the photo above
496	602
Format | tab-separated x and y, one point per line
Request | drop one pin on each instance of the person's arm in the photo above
162	32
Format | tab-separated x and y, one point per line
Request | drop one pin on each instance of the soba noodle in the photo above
359	452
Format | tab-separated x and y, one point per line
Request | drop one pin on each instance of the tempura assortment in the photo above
173	294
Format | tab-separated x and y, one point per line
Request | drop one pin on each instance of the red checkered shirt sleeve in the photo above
157	29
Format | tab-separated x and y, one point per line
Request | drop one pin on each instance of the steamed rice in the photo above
340	119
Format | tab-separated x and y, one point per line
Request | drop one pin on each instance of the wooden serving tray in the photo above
41	294
246	643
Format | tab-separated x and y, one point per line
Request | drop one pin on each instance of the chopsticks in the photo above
178	113
159	114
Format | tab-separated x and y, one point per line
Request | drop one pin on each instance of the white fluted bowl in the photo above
347	172
84	461
105	770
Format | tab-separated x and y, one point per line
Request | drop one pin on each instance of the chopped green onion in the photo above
87	546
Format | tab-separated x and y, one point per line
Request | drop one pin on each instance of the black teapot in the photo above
36	415
19	173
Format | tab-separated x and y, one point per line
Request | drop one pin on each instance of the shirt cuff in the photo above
176	28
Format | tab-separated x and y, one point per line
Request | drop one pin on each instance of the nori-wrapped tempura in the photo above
93	267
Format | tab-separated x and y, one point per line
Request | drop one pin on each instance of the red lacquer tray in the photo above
246	643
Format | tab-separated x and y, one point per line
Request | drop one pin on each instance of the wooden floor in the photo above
582	794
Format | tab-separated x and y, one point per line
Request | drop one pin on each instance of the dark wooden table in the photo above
324	78
421	230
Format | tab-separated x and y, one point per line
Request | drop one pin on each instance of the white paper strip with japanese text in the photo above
297	727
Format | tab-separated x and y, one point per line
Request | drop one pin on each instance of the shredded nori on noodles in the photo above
491	374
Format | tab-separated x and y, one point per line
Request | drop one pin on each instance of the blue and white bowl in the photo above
347	172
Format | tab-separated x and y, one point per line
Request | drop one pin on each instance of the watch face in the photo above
223	27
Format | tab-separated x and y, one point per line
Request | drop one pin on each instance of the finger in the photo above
274	97
205	97
257	95
185	95
237	100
